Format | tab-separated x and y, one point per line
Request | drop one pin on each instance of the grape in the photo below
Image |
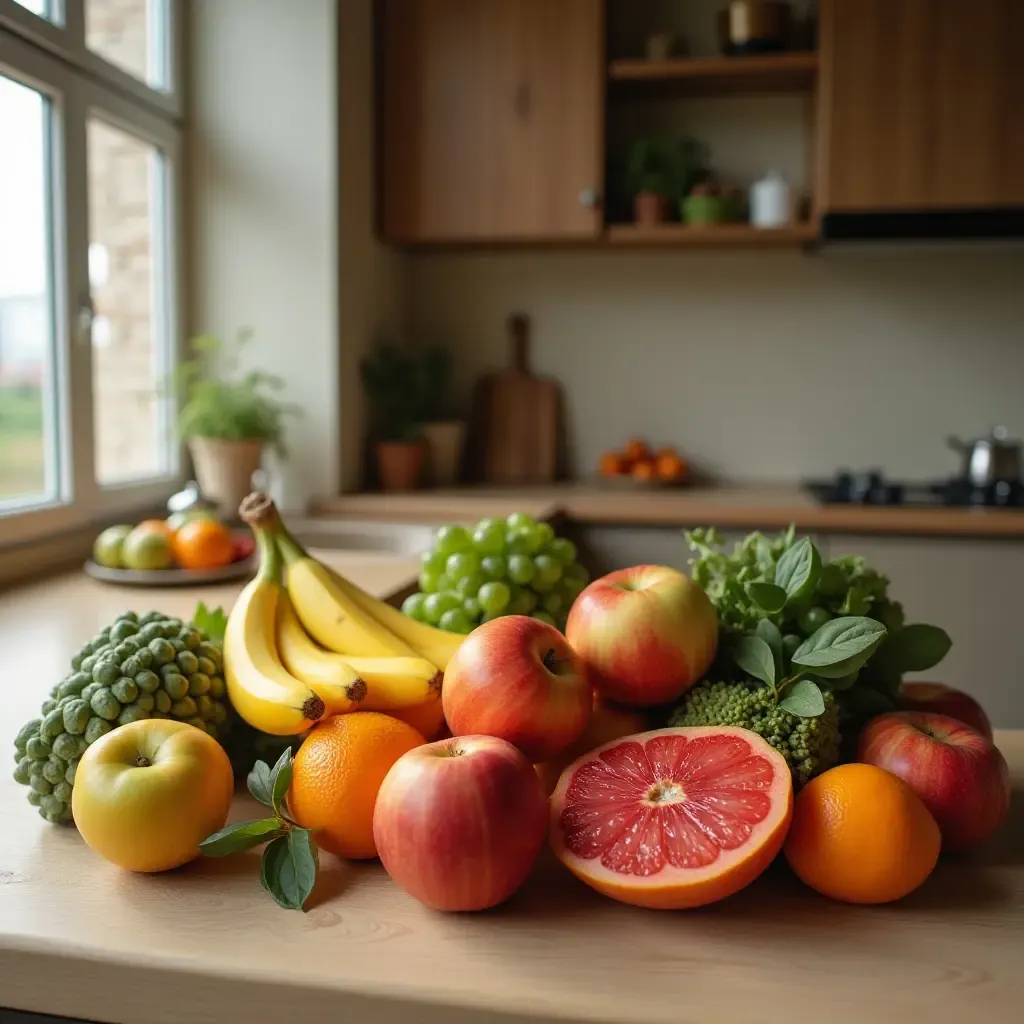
455	621
548	571
544	617
517	519
433	561
490	540
491	522
520	568
451	539
435	605
469	585
471	606
561	549
525	601
462	563
494	597
521	541
413	606
429	581
487	616
544	533
445	582
576	572
493	567
553	603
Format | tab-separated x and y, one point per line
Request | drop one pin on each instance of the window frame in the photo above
75	95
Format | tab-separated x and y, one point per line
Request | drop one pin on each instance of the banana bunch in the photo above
304	643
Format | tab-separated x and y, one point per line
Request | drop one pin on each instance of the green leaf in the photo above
803	699
772	636
840	647
862	703
212	621
857	601
282	779
755	657
242	835
915	648
288	870
767	596
260	783
797	570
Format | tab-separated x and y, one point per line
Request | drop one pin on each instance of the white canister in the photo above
769	202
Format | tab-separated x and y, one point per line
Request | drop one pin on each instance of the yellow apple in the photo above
147	794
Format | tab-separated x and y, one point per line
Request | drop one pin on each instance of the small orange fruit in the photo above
665	449
670	466
156	526
644	470
203	544
637	450
613	464
861	835
337	772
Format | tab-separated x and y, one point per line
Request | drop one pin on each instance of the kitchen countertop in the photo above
741	507
205	944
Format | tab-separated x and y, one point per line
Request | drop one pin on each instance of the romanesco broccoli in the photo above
809	745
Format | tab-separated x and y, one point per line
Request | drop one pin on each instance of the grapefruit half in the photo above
673	818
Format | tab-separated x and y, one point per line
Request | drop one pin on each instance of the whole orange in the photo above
861	835
670	466
643	470
337	773
636	450
203	544
613	464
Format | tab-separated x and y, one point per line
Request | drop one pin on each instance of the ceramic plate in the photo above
173	577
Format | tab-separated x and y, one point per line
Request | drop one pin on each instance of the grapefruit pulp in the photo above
673	818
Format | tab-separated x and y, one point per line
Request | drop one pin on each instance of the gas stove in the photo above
872	488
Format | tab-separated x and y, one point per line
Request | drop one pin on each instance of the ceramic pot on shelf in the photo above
224	469
650	209
400	464
445	440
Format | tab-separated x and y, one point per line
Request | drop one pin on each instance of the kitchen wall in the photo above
281	212
761	366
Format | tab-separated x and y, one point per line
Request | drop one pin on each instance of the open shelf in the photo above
711	235
717	76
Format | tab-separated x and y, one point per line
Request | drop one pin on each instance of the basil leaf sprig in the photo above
289	866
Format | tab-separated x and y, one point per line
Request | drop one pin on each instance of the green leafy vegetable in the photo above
212	621
841	646
288	871
770	634
915	648
803	699
797	570
755	657
768	596
241	836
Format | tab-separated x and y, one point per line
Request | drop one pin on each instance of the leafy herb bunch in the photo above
803	626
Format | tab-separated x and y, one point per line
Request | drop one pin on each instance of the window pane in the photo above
130	356
28	450
41	7
131	34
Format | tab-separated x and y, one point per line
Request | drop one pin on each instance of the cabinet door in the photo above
492	123
921	104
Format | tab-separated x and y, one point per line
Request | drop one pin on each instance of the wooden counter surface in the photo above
205	944
744	508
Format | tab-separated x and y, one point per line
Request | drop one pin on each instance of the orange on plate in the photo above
861	835
203	544
636	450
337	772
644	470
670	466
613	464
673	818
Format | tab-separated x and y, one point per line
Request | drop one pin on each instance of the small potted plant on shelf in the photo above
396	387
660	170
444	433
228	418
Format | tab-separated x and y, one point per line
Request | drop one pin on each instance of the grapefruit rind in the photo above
677	888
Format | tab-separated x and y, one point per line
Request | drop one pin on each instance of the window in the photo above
88	243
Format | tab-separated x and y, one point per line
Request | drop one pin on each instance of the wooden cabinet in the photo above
921	105
491	117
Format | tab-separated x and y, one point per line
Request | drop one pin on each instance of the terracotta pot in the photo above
224	470
444	443
400	464
650	209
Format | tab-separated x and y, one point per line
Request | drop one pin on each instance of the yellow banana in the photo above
328	675
436	645
395	683
261	689
328	614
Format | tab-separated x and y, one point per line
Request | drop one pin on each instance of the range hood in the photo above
924	225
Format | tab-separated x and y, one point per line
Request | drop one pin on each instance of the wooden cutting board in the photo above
515	427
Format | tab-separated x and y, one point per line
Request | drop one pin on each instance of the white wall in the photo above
764	365
282	204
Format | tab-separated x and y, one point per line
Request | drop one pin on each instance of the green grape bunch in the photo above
140	667
510	566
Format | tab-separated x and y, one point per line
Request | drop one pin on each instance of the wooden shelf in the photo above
717	76
713	235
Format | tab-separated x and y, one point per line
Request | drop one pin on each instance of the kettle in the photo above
988	460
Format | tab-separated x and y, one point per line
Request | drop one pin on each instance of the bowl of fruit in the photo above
186	549
638	465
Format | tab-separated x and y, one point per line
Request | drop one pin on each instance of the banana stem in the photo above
270	557
260	512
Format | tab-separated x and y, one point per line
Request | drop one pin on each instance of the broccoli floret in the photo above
809	745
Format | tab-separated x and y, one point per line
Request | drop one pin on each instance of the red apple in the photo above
517	678
459	823
647	634
959	774
940	699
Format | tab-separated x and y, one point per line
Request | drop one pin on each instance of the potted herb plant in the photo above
228	418
443	433
660	170
396	389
